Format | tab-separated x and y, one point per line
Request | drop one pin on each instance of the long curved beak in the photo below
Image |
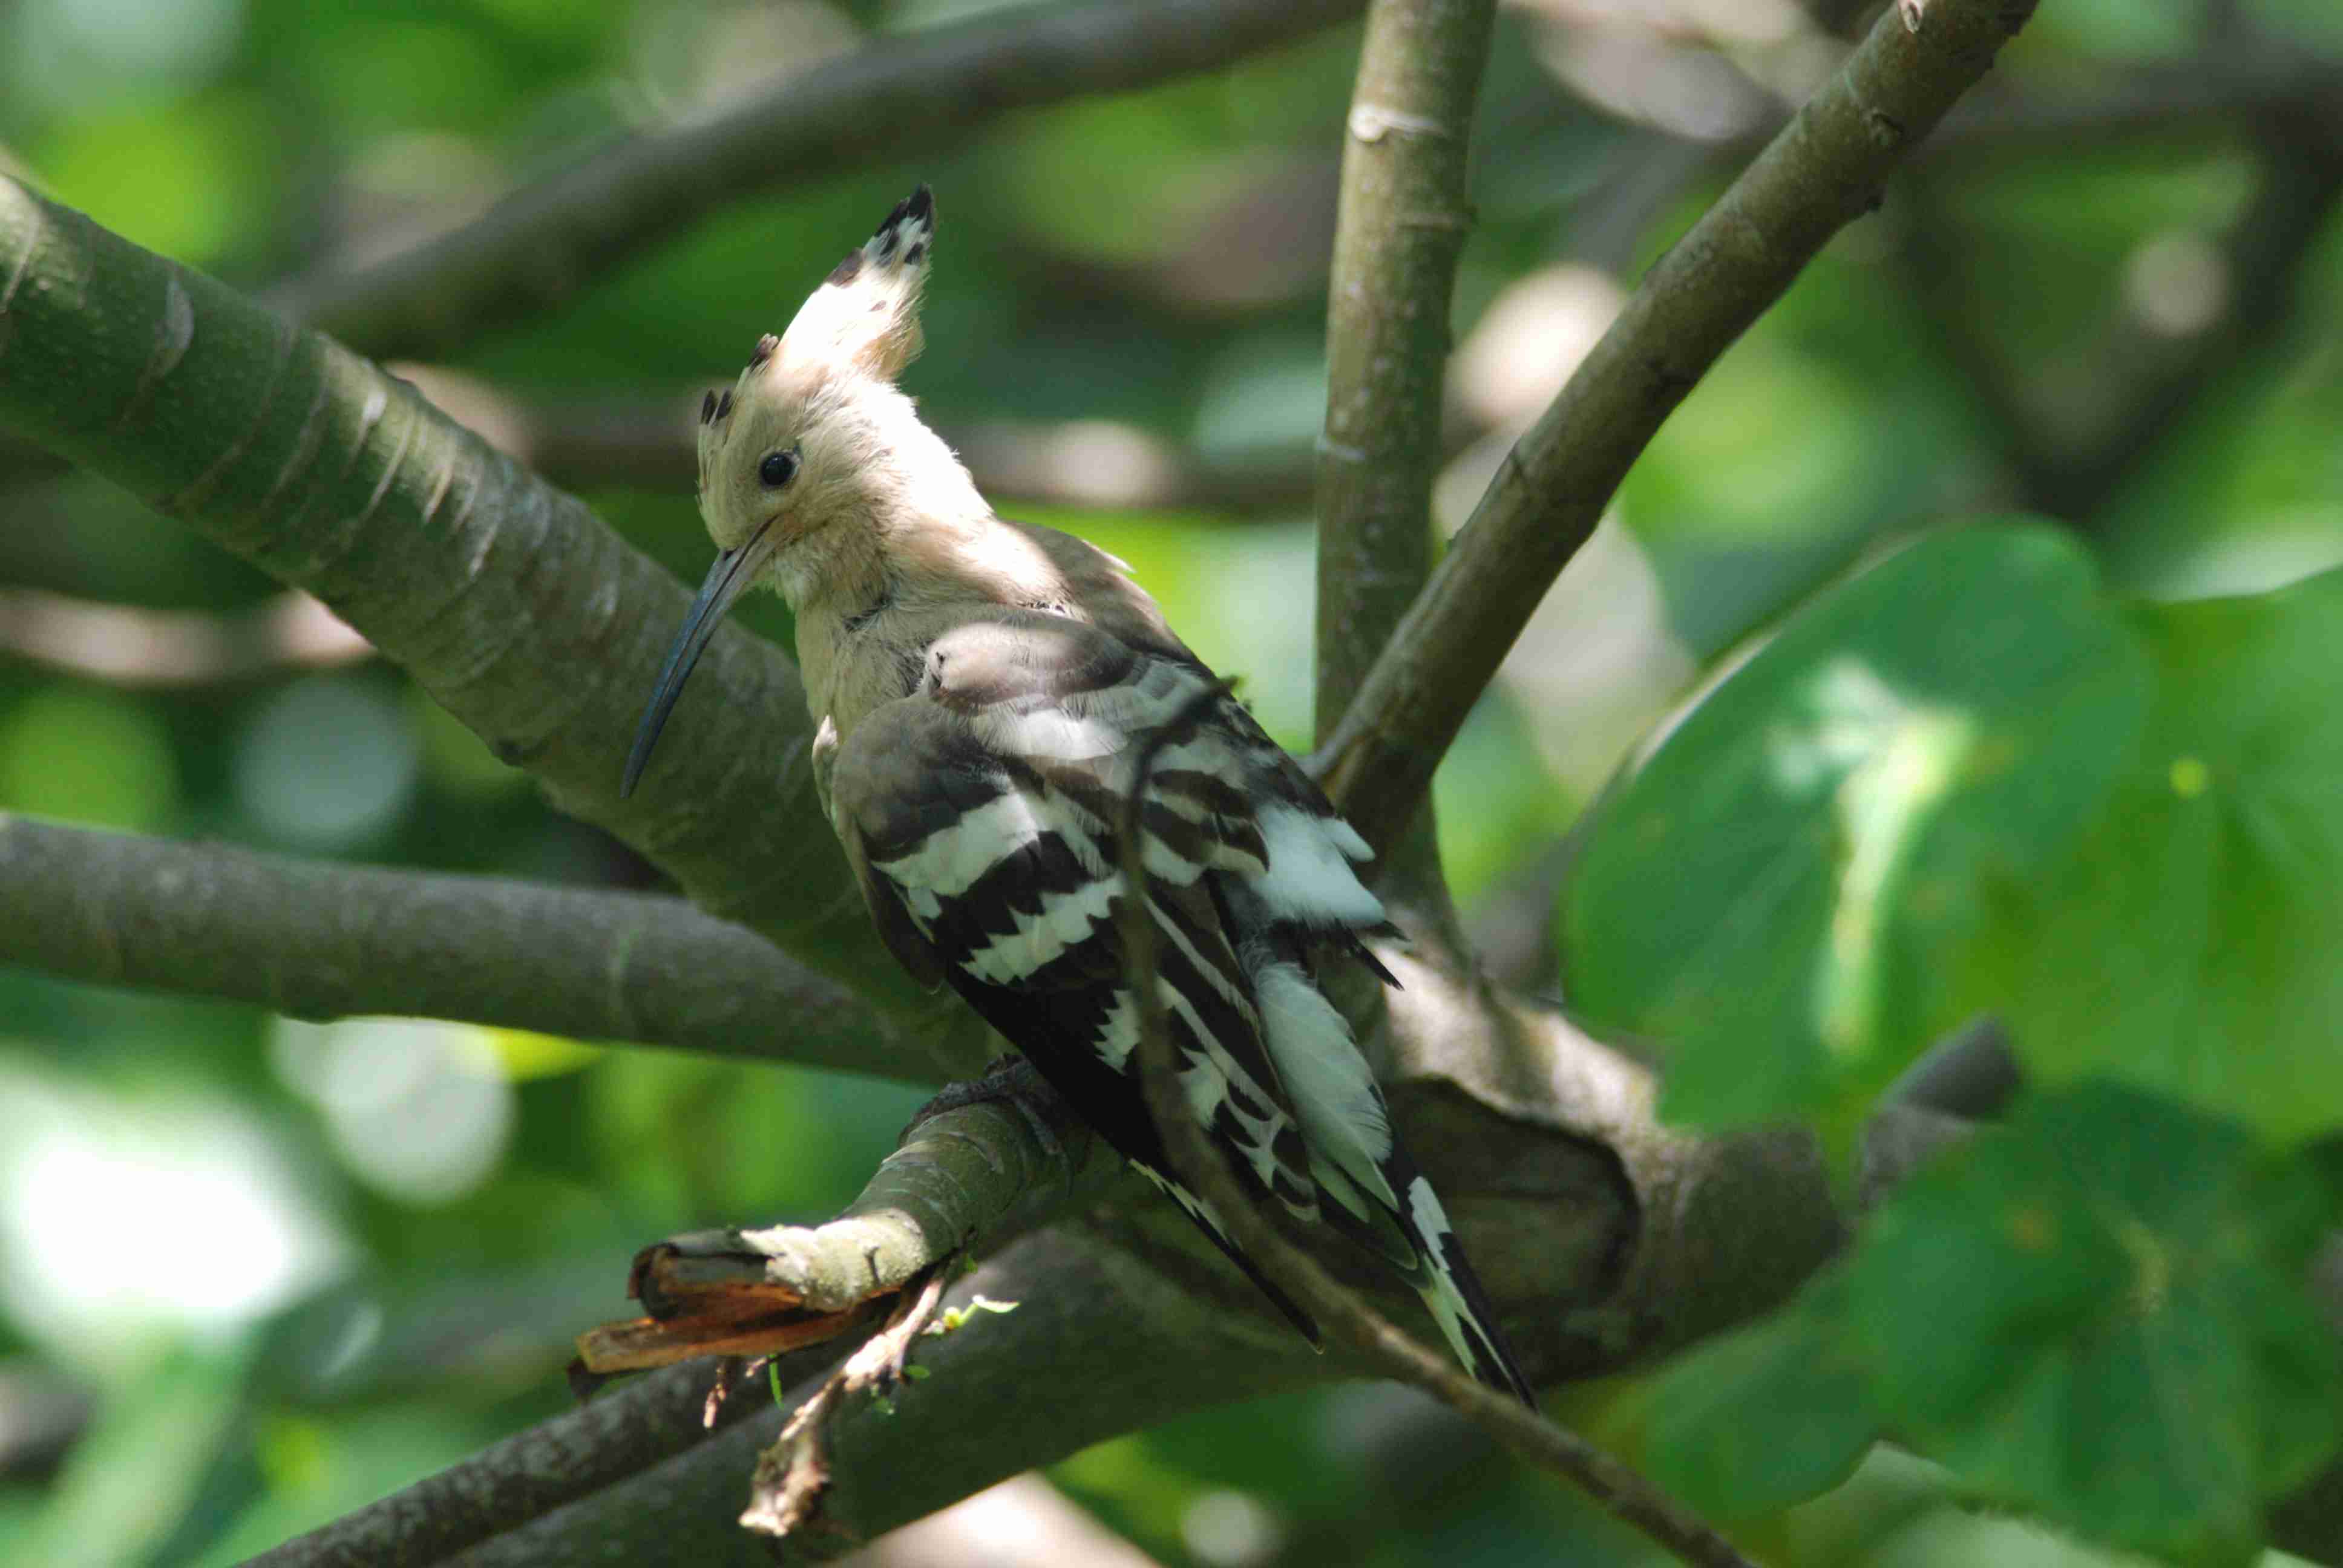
734	572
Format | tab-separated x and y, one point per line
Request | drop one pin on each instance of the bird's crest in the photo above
849	341
866	314
864	317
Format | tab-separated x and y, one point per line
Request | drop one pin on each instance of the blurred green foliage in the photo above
345	1304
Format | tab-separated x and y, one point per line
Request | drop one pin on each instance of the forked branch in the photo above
1825	169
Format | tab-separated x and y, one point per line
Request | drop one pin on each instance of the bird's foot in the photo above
1008	1077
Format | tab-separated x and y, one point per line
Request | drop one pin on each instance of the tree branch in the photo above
899	96
329	940
506	599
1083	1358
963	1180
1403	216
975	1175
1823	171
531	1474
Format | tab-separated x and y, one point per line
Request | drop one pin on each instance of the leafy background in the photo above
255	1271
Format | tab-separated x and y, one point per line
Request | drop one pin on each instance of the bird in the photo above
981	692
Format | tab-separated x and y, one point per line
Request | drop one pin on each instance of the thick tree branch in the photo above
327	941
1823	170
966	1179
506	599
899	96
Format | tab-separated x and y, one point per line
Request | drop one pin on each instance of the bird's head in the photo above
813	454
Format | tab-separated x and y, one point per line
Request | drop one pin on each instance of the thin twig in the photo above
791	1476
1823	170
1616	1487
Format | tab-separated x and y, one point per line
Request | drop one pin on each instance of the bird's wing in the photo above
984	808
983	811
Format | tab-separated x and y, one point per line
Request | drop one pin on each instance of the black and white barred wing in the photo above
982	813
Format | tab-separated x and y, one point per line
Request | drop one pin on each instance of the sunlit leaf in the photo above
1768	898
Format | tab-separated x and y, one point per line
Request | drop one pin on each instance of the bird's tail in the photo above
1209	1223
1453	1292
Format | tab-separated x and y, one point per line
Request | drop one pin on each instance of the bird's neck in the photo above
863	627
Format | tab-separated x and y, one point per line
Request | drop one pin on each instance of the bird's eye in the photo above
778	469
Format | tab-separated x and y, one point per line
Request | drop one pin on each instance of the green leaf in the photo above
1755	1421
2098	1313
2188	942
1768	897
952	1319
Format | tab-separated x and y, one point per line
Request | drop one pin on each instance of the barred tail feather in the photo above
1452	1293
1378	1198
1206	1221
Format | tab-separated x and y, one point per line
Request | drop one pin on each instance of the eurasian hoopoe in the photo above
980	688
